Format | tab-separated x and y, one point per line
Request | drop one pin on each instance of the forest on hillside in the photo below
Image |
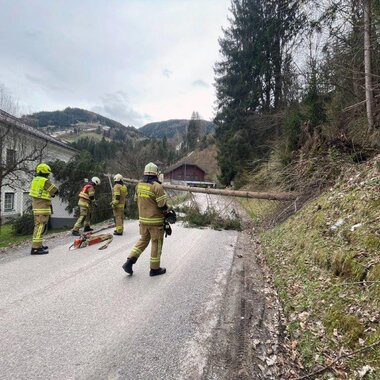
68	117
298	81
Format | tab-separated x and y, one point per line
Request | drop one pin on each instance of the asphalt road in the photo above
78	315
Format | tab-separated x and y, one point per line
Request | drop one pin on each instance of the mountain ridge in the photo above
169	128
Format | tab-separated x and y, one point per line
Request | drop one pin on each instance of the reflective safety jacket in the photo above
86	195
150	198
119	195
41	191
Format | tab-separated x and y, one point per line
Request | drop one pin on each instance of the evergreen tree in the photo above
249	79
193	131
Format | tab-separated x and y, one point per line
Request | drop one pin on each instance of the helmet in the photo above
95	180
151	169
43	168
118	177
171	217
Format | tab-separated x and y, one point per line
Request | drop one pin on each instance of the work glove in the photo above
170	216
167	229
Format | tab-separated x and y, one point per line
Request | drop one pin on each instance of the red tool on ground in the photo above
89	238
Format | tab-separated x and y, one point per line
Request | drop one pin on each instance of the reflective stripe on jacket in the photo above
86	195
119	195
150	198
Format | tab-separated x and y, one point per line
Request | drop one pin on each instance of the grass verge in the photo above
326	265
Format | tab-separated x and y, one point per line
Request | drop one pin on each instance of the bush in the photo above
23	225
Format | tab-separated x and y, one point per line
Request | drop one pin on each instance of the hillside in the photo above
171	128
326	267
72	123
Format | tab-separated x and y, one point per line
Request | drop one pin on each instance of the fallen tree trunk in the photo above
227	192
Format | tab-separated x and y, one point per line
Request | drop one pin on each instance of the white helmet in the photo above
95	180
118	177
151	169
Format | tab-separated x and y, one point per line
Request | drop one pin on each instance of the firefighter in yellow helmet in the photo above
85	203
41	191
152	206
119	197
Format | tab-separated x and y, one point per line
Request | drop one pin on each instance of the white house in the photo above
22	148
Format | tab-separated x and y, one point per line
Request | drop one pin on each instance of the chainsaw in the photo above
88	238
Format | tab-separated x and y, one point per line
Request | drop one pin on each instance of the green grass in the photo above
91	135
7	238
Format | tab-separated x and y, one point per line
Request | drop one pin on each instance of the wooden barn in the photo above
184	172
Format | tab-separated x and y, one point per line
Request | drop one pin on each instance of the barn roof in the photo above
179	164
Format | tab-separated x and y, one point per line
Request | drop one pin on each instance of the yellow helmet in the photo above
43	168
118	177
151	169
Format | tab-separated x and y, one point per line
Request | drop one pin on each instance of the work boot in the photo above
127	266
157	272
87	229
117	233
39	251
75	233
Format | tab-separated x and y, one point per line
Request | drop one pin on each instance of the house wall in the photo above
186	173
16	184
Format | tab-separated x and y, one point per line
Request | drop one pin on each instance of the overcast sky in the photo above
136	61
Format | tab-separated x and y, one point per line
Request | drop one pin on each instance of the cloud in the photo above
167	73
200	83
115	106
51	63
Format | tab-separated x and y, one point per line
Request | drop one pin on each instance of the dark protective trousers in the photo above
155	235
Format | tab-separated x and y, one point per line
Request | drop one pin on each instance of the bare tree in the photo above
7	102
367	63
20	150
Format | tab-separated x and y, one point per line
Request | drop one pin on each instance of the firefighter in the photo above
85	203
152	207
41	192
119	195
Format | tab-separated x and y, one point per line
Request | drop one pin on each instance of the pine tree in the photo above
193	131
249	79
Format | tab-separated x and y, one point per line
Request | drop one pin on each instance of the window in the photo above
9	202
11	157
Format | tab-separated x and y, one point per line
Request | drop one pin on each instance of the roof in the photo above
179	164
15	122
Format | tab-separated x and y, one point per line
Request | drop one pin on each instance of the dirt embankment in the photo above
248	339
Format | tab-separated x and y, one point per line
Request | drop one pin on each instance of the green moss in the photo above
372	242
347	325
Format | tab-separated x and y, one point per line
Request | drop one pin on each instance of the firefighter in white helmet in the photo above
119	197
152	206
41	191
85	203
